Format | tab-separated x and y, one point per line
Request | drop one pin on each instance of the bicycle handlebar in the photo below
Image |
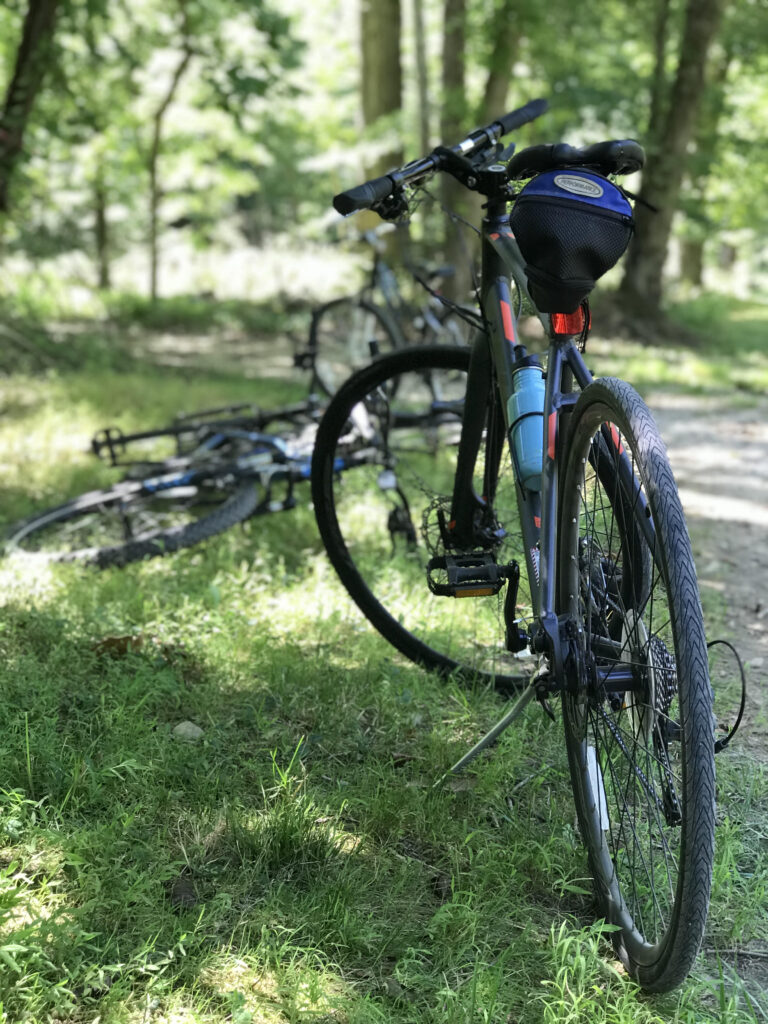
375	191
362	197
517	118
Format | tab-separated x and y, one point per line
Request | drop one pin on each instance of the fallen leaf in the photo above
398	760
118	646
182	892
393	988
462	784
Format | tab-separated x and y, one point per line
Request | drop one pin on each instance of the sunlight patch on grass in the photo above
29	577
261	994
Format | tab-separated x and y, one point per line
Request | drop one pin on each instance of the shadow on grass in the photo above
303	812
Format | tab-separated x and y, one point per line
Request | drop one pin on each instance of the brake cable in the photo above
721	744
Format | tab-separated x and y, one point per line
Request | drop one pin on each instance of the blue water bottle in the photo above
526	421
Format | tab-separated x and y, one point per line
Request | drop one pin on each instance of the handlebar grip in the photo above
363	196
517	118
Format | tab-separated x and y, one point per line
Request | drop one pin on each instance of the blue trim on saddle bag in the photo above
582	187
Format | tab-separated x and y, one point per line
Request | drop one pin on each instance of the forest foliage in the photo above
124	123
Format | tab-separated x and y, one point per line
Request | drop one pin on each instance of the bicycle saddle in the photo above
616	156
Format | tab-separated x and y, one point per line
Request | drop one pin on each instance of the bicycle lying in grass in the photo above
346	333
551	527
192	480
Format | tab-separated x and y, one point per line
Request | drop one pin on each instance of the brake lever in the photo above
393	207
507	154
494	156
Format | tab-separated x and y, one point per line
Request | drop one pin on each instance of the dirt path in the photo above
719	453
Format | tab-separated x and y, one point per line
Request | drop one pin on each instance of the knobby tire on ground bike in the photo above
126	523
345	335
379	519
641	760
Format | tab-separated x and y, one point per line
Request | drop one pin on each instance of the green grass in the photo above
193	312
296	863
721	349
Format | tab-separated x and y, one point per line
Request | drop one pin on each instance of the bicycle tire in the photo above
57	534
641	759
345	335
380	559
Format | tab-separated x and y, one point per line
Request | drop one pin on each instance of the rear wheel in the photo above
637	705
382	479
344	336
129	522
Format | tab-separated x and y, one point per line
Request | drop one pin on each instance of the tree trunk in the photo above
31	61
422	82
707	131
381	72
641	287
505	32
659	79
155	193
692	260
459	248
101	231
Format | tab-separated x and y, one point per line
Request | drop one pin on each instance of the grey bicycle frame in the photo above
495	352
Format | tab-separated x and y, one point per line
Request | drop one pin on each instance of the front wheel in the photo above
637	703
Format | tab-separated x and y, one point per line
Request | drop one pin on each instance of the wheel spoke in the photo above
634	591
410	405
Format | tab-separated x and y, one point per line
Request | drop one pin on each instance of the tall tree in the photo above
453	125
705	154
504	32
382	79
153	156
659	84
422	79
31	62
641	287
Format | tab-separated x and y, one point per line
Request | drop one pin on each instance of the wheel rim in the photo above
345	337
116	518
383	522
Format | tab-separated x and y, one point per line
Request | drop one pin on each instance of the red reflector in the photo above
569	323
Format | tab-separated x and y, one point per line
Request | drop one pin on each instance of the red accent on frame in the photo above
616	438
494	236
506	316
568	323
537	522
552	429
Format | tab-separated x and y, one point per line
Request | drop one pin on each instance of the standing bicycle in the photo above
553	526
346	333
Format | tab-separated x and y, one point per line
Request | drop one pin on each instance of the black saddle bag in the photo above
571	226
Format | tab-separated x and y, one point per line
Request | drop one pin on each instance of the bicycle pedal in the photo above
468	575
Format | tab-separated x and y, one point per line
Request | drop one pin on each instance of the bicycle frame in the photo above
495	352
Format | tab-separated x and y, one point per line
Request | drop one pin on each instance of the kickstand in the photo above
490	737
